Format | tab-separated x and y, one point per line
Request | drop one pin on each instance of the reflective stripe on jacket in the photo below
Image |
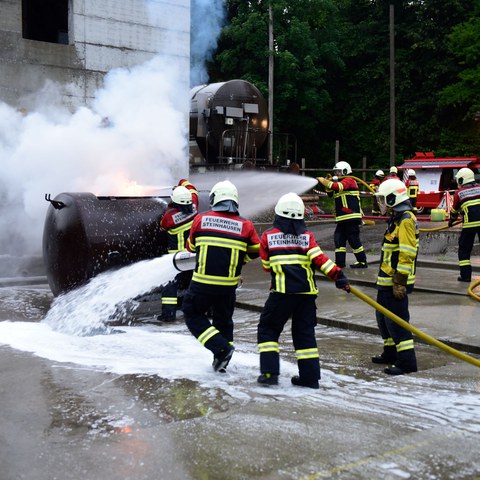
467	199
412	187
223	242
290	260
347	199
399	249
178	223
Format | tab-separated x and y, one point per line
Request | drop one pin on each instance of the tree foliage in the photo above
332	73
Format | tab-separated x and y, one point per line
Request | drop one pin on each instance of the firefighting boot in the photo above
387	357
394	370
300	382
222	358
359	265
268	379
166	317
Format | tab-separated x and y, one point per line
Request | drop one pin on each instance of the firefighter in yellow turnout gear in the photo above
396	277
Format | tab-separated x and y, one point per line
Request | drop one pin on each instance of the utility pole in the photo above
392	85
270	84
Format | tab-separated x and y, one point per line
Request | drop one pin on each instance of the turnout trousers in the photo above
278	309
348	231
215	335
465	246
398	342
170	293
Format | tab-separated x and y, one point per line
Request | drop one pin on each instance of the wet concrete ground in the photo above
67	421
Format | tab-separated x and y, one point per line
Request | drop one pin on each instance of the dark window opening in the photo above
45	20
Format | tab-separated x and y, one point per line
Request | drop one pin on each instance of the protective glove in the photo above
323	181
453	219
342	283
400	285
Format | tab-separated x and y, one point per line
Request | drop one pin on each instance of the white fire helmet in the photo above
390	193
342	169
224	190
464	176
379	173
393	169
290	205
182	196
411	172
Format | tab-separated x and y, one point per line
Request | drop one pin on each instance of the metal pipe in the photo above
184	261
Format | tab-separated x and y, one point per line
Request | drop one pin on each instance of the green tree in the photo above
463	96
423	67
305	49
332	73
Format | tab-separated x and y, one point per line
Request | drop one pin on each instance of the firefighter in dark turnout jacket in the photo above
396	277
467	201
413	187
348	215
177	221
223	241
374	184
290	253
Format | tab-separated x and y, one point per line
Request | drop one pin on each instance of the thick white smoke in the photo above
208	18
136	131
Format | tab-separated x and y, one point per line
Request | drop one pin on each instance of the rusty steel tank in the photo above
228	123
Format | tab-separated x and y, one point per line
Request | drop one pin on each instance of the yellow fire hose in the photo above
473	285
471	292
426	338
436	229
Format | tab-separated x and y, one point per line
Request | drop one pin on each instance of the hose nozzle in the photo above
184	261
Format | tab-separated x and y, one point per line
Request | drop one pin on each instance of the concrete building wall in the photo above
102	35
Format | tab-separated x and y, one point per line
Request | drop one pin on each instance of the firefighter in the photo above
177	221
374	184
467	201
290	253
348	215
393	173
223	241
396	277
412	188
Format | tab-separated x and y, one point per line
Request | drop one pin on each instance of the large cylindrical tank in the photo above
229	122
85	235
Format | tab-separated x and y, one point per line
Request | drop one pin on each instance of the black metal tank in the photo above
85	235
228	122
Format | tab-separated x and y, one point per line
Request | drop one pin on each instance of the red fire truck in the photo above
436	176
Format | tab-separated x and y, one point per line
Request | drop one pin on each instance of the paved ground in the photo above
69	421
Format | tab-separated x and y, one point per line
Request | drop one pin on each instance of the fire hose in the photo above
436	229
184	260
473	285
422	335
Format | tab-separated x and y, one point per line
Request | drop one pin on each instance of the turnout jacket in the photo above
347	199
399	249
467	200
375	183
412	187
223	242
289	259
178	223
